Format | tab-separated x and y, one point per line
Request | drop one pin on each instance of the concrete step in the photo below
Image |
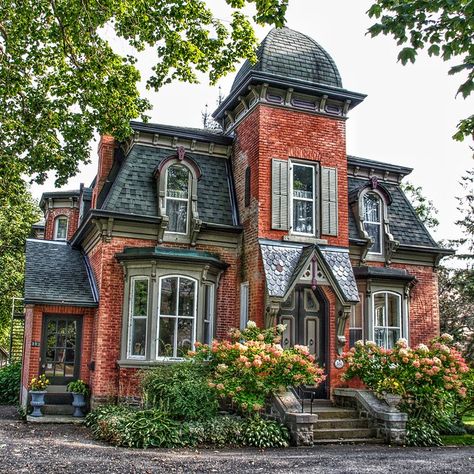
345	433
349	441
333	413
57	409
341	423
55	419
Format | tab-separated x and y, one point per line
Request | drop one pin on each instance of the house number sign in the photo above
339	363
35	343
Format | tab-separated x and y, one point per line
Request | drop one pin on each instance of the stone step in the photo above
349	441
345	433
55	419
333	413
341	423
57	409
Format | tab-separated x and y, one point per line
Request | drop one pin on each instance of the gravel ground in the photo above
70	449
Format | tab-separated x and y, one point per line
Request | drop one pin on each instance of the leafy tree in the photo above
61	80
445	27
423	206
18	211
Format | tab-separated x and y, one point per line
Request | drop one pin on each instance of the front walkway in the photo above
43	449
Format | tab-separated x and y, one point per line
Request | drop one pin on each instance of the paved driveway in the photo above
57	448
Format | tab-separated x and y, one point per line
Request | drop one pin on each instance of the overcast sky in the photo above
408	117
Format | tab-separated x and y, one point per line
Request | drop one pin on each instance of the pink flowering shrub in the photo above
431	379
252	366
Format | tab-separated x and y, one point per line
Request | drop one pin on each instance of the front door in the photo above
61	348
305	316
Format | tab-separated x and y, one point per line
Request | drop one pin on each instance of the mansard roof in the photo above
55	273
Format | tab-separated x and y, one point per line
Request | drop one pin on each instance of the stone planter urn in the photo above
37	401
392	400
78	402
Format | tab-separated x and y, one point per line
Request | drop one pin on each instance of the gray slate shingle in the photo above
134	189
292	55
56	273
405	225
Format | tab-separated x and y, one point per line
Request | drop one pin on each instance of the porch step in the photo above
56	419
57	409
341	423
329	413
343	434
349	441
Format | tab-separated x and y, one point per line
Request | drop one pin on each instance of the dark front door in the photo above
305	316
61	348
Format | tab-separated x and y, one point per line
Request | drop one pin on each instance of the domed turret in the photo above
288	54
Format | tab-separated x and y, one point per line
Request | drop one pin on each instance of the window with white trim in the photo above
177	198
356	322
386	318
60	228
209	314
372	220
244	304
303	195
137	331
177	303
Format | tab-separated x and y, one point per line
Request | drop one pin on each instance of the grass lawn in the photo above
461	440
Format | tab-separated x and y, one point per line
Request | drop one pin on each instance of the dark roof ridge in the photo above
357	161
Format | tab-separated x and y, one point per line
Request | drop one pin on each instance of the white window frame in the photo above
132	317
187	200
176	317
212	311
380	223
386	327
56	226
313	200
244	304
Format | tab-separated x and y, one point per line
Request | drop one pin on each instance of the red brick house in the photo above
186	233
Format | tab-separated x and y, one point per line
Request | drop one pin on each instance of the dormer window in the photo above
60	228
177	198
372	220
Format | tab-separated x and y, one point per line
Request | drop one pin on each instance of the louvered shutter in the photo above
328	201
280	194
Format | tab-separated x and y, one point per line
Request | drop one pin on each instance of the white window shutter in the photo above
328	200
280	194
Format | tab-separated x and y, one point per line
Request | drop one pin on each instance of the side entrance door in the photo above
305	316
61	348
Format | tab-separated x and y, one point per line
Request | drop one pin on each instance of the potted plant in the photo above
38	390
80	391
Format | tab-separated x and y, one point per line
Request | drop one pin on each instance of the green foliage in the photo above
181	390
125	426
253	366
444	27
421	432
464	440
424	207
61	80
78	386
10	384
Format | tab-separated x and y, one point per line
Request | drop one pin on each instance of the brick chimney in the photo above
106	159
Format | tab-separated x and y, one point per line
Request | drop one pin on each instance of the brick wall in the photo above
73	219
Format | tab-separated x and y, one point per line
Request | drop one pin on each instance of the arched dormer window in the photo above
60	228
177	178
372	212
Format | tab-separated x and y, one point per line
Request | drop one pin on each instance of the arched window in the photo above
372	220
177	198
176	316
386	318
60	228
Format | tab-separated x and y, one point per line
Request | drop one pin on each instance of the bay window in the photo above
386	318
138	318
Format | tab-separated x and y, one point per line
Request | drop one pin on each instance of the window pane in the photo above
354	336
371	208
380	337
177	211
302	182
356	316
393	335
177	185
208	314
140	298
303	216
138	337
61	228
393	310
379	307
166	342
168	296
185	336
374	232
186	297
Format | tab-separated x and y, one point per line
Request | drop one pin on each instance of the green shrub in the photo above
181	390
422	433
10	384
264	433
217	431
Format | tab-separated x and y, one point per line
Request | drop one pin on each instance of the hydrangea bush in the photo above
252	365
429	378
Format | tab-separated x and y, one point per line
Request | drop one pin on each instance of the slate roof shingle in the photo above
134	189
56	273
